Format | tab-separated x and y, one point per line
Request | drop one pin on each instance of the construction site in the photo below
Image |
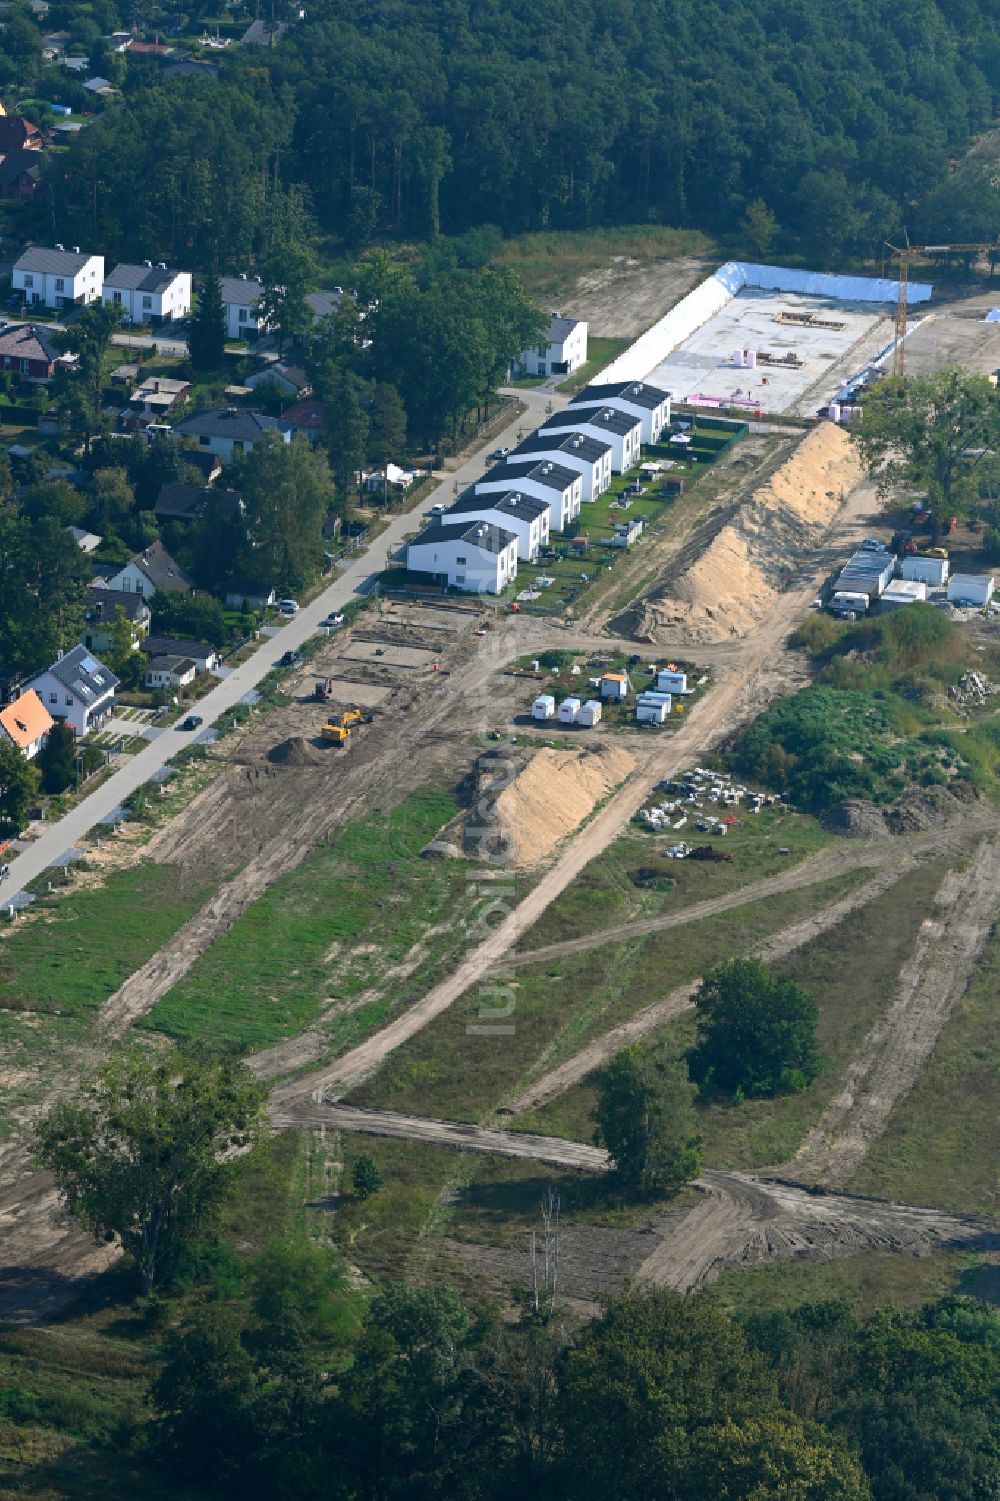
428	921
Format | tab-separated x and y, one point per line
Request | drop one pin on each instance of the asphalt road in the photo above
67	832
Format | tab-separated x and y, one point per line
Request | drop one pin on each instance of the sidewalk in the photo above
70	830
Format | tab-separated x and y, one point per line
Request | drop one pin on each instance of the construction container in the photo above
750	359
849	603
544	707
903	592
670	681
614	685
932	571
654	697
590	714
970	588
569	711
651	712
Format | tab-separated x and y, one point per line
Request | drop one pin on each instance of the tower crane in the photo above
904	255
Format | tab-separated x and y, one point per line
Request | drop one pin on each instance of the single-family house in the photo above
29	351
590	457
78	690
26	722
229	432
102	87
180	502
243	595
102	612
18	134
563	351
150	571
170	672
148	293
472	555
204	656
263	33
561	489
308	418
241	303
136	49
324	303
21	176
58	278
636	398
524	515
288	379
87	542
605	423
375	480
157	395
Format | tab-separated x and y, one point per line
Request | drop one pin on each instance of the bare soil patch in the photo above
552	796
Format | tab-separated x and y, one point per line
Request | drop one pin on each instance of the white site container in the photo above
903	592
590	713
614	685
932	571
650	713
544	707
652	697
668	681
970	588
569	710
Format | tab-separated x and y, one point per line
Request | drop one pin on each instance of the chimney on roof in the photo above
60	247
161	265
76	250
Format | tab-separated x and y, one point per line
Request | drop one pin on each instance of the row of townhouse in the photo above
539	488
61	278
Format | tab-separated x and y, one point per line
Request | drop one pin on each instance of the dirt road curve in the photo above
902	1040
743	1220
459	1135
555	1083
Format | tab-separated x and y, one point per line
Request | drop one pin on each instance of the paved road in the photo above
69	831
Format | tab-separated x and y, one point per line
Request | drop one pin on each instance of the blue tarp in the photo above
993	316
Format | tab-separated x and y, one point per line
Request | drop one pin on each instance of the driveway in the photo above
356	580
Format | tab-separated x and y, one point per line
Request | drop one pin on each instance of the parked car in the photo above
288	606
290	659
499	453
193	722
332	621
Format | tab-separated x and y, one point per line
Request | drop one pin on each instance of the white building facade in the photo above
77	690
58	278
241	302
523	515
564	349
636	399
590	457
148	293
476	556
561	489
623	432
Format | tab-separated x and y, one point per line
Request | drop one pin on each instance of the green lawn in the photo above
600	354
326	931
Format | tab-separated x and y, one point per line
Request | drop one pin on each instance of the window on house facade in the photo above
460	560
29	280
25	366
116	298
244	315
203	440
53	698
147	302
238	445
60	284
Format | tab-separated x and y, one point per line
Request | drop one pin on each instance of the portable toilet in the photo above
569	711
544	707
669	680
590	714
614	685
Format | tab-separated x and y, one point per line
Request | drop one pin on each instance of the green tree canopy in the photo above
207	336
756	1031
19	783
646	1119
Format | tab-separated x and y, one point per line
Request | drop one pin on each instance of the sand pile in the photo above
554	794
296	752
731	586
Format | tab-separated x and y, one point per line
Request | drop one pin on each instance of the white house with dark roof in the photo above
77	690
472	555
230	431
148	293
240	300
523	515
635	398
58	278
286	378
102	610
622	431
149	572
170	672
561	489
564	350
590	457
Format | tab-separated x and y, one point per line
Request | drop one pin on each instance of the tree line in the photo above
828	127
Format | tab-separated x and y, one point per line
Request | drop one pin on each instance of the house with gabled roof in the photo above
28	350
635	398
149	572
231	431
78	690
148	293
241	303
561	489
57	277
26	722
564	349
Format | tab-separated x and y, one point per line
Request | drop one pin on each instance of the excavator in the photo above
337	730
323	690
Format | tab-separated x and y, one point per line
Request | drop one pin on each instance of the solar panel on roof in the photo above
88	664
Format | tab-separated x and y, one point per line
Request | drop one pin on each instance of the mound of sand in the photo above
295	752
554	794
731	586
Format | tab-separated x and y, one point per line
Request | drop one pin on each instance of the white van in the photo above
288	606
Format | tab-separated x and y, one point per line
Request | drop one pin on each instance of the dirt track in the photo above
903	1038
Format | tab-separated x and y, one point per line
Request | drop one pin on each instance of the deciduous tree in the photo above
756	1031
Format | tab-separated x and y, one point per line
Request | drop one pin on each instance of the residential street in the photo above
67	832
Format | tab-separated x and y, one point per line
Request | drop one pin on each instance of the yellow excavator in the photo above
337	730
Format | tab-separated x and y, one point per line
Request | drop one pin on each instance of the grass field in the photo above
851	980
449	1071
863	1281
550	263
942	1145
326	931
